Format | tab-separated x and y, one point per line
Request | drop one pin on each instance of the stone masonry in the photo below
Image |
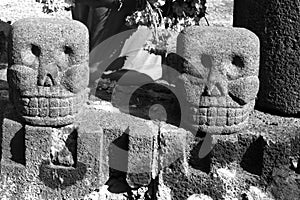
49	153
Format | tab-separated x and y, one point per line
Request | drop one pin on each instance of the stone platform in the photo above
127	153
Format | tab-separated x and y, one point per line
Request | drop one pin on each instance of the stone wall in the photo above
103	153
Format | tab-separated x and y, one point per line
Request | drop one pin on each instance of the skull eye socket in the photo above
206	61
238	61
35	50
68	50
235	70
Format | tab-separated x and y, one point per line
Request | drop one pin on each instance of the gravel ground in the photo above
12	10
220	12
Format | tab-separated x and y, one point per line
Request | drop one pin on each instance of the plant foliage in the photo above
169	14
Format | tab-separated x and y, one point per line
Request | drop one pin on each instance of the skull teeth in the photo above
41	91
221	102
49	107
216	116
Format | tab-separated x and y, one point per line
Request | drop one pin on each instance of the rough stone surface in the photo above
184	185
142	101
141	156
150	153
219	79
108	144
12	142
63	146
127	151
277	25
48	70
45	165
174	143
259	156
71	161
119	153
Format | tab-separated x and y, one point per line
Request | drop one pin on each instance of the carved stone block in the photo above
51	162
12	137
142	155
48	70
219	78
174	144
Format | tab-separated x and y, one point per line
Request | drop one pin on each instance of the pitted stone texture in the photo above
64	146
48	70
101	154
127	146
259	156
174	143
183	185
12	136
104	125
142	156
150	152
277	24
12	181
34	159
219	78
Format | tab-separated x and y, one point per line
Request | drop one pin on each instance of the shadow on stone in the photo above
118	153
275	112
61	177
155	101
16	140
71	144
65	154
252	160
118	164
17	147
203	164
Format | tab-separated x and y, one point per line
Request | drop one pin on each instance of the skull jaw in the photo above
239	123
36	115
221	129
47	121
215	130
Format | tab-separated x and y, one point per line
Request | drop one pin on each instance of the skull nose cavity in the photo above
213	90
48	75
47	81
206	61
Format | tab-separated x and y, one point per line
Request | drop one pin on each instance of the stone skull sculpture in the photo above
48	70
219	79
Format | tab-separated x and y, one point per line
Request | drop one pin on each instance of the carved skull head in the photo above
48	70
219	79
